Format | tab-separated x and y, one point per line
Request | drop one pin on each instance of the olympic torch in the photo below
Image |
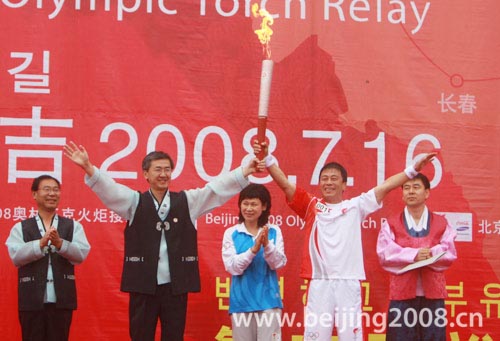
264	34
265	90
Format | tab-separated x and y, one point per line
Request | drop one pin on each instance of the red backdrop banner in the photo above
370	84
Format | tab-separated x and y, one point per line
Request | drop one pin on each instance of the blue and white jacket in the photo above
254	284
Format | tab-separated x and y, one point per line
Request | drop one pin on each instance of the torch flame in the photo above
265	32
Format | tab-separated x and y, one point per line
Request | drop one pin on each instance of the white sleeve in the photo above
20	252
368	203
77	250
117	197
274	254
215	193
234	263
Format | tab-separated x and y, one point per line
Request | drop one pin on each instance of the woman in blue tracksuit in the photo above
252	251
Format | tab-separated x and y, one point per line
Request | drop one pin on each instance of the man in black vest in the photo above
45	249
160	265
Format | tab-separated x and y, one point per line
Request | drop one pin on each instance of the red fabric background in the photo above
199	72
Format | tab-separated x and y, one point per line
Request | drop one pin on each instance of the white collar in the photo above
242	228
422	224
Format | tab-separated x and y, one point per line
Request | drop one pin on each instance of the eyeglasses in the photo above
47	190
159	170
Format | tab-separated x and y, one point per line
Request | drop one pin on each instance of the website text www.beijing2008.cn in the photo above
343	319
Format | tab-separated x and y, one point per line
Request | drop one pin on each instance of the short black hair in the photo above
337	166
156	155
256	191
36	181
423	178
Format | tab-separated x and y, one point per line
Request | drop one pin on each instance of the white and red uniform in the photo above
333	262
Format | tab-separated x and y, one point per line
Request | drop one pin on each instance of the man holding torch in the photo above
333	260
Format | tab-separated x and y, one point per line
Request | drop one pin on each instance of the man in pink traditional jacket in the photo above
416	309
